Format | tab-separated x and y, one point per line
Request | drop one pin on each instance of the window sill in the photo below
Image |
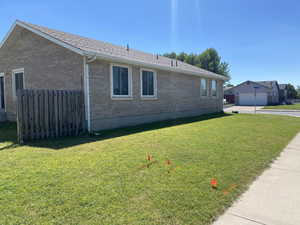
149	98
205	97
122	98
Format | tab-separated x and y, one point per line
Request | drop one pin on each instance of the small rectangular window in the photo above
18	81
121	81
203	87
19	84
214	88
148	83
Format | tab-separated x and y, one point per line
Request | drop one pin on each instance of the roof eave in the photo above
150	65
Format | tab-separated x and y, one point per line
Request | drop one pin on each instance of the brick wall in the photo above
46	65
178	96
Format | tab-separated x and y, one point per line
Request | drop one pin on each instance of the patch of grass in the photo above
104	180
291	107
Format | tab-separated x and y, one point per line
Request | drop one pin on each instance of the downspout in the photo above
86	60
87	94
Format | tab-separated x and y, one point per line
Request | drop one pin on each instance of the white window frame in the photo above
211	88
2	75
149	97
14	72
207	91
121	97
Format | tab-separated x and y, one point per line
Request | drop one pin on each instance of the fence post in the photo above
19	117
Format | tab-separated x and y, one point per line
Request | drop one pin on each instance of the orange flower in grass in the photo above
149	157
214	183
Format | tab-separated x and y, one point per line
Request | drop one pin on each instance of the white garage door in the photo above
248	99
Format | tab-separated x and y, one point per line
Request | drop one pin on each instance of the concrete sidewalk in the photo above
274	198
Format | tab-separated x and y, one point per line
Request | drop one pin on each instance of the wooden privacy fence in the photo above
43	114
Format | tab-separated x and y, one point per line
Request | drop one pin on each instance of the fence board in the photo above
31	114
25	117
60	114
43	114
36	115
46	112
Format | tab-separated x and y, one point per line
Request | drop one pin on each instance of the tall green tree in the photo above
291	91
171	55
224	69
298	92
208	60
182	57
191	59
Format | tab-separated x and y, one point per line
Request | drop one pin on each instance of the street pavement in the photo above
260	110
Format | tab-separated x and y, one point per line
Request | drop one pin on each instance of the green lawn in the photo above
292	107
105	180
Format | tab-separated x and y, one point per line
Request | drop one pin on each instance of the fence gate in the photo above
43	114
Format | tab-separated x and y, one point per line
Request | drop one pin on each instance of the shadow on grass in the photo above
60	143
8	133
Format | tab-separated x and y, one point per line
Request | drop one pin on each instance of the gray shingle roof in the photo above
94	47
269	84
273	84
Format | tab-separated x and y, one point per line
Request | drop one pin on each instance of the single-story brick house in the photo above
250	93
122	86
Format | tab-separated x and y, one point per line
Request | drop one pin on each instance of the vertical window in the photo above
148	83
203	87
121	81
214	88
18	81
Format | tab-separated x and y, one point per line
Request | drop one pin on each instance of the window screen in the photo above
120	80
213	88
203	87
147	83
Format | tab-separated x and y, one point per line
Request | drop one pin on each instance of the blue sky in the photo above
260	39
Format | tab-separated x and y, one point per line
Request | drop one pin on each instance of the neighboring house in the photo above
251	93
283	93
122	86
229	95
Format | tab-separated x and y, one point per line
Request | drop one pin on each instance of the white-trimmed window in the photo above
121	81
148	83
18	81
203	87
214	88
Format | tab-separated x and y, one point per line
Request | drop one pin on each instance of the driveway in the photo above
274	198
251	109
